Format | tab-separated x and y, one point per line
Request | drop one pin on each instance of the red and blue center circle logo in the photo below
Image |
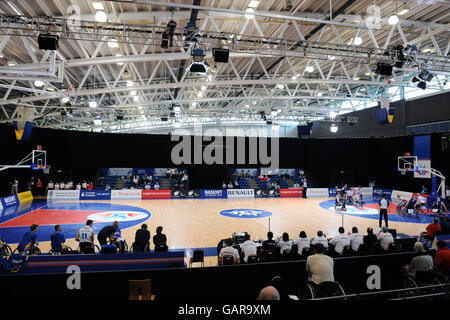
120	216
245	213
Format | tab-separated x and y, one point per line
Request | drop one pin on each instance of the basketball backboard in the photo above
407	164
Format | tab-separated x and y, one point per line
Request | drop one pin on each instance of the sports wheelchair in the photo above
322	290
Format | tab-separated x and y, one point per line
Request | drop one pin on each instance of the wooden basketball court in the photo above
198	224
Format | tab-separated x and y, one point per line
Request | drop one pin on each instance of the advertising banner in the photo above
317	192
367	192
403	194
95	195
120	171
240	193
126	194
63	195
156	194
267	193
160	172
332	192
25	197
287	193
143	171
377	192
186	194
213	194
10	201
424	169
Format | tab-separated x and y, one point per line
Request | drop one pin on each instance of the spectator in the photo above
269	293
356	239
31	184
147	186
269	244
56	186
168	173
424	190
340	241
136	180
321	238
385	238
320	267
230	185
90	186
305	187
442	258
280	284
372	183
29	237
149	178
159	238
439	206
248	247
106	233
78	186
50	185
370	239
228	250
285	243
84	185
224	185
14	186
57	239
445	225
108	187
142	239
302	242
85	236
62	185
432	229
236	184
420	262
156	186
39	186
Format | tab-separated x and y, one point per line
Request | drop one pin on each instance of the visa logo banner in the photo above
213	194
95	195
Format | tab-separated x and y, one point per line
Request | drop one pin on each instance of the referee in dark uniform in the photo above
384	205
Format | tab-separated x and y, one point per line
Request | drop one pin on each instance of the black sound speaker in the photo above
384	69
221	55
48	41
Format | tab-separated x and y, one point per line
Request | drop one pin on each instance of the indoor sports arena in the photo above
208	151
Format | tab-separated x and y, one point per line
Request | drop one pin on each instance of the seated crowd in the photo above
68	185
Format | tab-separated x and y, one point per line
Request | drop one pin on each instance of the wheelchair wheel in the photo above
405	283
6	250
33	251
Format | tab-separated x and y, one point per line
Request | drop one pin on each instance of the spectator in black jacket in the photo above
142	239
370	239
160	240
445	225
269	244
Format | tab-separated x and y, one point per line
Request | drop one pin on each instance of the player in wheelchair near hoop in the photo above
401	206
320	270
412	207
439	208
339	202
357	198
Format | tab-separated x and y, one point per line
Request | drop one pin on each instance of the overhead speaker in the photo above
221	55
384	69
48	42
119	117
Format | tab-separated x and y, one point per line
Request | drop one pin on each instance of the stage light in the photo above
98	5
249	15
332	114
393	19
334	128
100	16
203	88
136	99
113	43
198	65
39	83
97	121
426	75
12	63
199	94
177	108
133	92
357	41
119	63
280	86
404	11
309	69
92	104
176	124
65	99
253	4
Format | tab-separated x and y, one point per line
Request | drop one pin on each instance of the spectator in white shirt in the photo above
302	242
84	185
356	239
62	186
248	247
230	185
320	267
147	186
50	185
285	243
229	251
340	241
78	186
385	238
156	186
224	185
57	186
320	239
